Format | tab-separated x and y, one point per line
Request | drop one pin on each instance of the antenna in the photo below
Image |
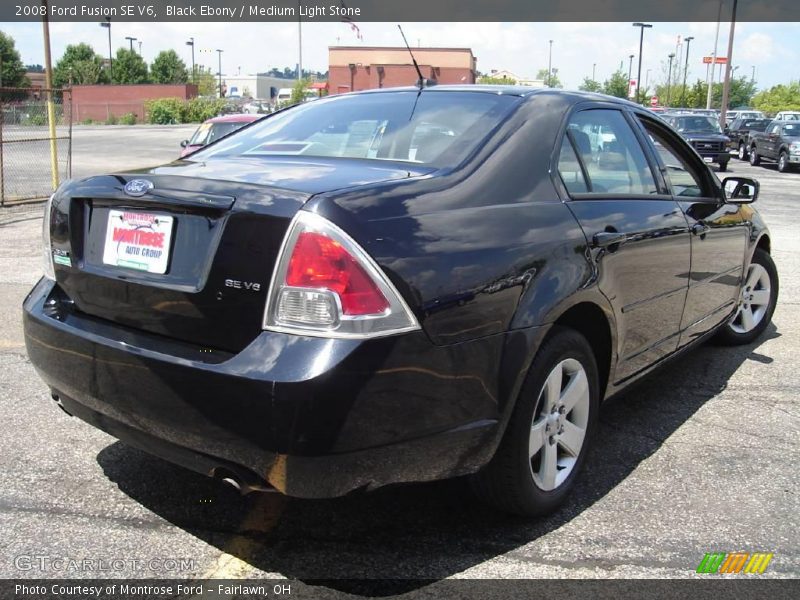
422	82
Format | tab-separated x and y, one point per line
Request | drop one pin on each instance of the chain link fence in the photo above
26	142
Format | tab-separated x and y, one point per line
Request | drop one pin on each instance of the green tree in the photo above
79	65
616	85
129	67
37	68
488	80
12	71
299	91
553	81
779	97
590	85
207	83
168	68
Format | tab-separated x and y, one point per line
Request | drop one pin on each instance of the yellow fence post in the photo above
51	110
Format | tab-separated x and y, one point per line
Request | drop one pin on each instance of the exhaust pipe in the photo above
240	484
59	403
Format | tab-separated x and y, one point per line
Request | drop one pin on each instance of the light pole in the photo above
107	25
753	76
726	87
714	58
669	76
550	64
647	79
688	41
131	40
594	67
642	27
630	68
191	43
219	55
140	47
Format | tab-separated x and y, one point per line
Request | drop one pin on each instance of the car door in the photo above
771	141
719	232
638	234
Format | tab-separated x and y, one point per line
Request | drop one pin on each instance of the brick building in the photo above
354	68
99	102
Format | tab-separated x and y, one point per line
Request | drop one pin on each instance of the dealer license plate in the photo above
138	240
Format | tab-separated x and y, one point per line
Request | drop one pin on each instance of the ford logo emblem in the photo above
138	187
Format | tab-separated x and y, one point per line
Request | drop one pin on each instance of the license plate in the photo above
708	159
138	240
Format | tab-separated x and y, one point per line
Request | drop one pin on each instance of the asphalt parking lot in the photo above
702	457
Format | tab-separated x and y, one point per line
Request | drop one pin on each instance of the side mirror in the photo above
184	143
740	190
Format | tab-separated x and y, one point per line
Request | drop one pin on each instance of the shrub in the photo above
111	120
87	121
164	111
36	119
128	119
170	111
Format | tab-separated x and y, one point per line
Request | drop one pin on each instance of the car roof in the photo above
507	90
236	118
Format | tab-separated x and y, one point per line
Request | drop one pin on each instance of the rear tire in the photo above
755	159
743	154
757	301
723	166
550	430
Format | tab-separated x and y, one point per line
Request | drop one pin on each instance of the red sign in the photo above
654	101
721	60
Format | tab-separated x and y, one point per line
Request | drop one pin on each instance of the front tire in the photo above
757	299
783	162
755	159
723	166
550	430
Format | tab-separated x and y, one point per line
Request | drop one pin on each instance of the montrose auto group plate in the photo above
138	240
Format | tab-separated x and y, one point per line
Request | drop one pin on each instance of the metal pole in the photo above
726	87
642	27
669	78
219	54
299	45
51	110
110	56
714	57
688	41
630	68
550	65
594	67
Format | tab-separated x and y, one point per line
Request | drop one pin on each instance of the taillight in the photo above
47	250
324	284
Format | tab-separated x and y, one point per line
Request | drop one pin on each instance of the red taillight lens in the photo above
319	262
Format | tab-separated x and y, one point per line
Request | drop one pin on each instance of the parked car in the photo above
214	129
704	135
788	115
779	143
742	113
292	309
257	107
739	134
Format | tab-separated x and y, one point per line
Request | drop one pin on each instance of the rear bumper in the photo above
311	417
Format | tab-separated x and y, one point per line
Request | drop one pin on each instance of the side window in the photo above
609	156
774	128
570	169
681	177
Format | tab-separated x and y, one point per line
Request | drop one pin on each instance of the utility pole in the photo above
191	43
107	25
726	87
642	27
669	76
630	72
594	67
550	65
219	55
688	41
48	83
714	58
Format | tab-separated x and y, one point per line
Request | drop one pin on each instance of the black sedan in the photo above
395	286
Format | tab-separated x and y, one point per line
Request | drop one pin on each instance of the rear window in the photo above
400	126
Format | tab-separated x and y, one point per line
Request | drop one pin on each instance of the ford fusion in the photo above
395	286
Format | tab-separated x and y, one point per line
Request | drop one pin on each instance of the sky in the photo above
522	48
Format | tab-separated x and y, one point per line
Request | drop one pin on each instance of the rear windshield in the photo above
400	126
211	132
696	124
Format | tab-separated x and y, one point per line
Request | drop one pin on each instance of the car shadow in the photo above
402	538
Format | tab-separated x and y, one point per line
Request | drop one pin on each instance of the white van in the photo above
284	95
788	115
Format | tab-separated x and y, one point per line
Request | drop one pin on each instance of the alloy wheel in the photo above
559	424
753	300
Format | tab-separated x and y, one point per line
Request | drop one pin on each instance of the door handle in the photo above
700	228
604	239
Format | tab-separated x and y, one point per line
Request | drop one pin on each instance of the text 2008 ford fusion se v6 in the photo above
395	286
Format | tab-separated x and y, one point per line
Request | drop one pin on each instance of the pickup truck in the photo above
739	133
779	143
704	135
